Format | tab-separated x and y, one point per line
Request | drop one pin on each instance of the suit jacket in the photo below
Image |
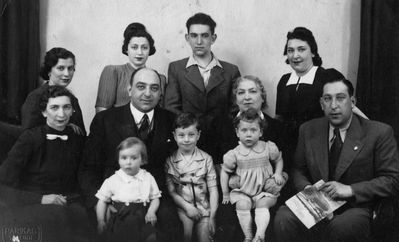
108	129
186	90
369	159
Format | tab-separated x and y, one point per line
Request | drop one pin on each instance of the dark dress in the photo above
34	167
31	115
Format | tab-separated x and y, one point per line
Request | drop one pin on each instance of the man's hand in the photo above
337	190
54	199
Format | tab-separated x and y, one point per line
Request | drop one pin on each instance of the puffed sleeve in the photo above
105	191
274	152
229	162
107	87
154	190
211	178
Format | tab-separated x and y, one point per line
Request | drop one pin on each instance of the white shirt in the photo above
342	132
120	187
308	78
204	71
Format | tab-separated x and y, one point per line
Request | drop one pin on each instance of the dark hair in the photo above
141	68
257	82
304	34
51	59
250	115
184	120
130	142
136	30
52	92
346	82
201	18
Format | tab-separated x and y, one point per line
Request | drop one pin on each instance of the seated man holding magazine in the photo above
357	159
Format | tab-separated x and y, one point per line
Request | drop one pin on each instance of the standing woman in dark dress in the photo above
299	92
40	174
58	70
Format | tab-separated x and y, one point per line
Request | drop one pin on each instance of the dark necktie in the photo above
333	156
144	127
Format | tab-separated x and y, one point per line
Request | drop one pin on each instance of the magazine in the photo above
312	205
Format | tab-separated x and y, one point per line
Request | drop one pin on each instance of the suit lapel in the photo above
352	146
215	79
194	76
128	127
319	144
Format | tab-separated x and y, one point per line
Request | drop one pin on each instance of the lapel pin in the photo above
355	148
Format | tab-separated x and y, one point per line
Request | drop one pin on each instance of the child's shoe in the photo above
258	239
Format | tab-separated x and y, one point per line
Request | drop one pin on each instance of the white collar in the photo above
128	178
214	62
308	78
260	113
342	131
258	148
138	115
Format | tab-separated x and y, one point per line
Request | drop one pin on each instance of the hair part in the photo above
346	82
53	92
51	59
306	35
201	18
251	115
129	143
185	120
137	30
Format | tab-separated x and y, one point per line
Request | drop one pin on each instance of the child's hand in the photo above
212	226
226	199
101	225
193	212
151	218
278	178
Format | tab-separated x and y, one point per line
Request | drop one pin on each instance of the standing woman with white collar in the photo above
299	92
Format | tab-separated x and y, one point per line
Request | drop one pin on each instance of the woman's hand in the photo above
150	217
226	199
278	178
193	212
54	199
101	225
76	129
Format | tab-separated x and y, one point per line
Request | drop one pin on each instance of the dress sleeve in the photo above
105	192
107	87
229	162
154	190
274	153
211	178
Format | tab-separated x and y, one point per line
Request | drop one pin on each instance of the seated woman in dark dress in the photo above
39	177
58	70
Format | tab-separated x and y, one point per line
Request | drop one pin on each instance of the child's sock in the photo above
262	217
245	218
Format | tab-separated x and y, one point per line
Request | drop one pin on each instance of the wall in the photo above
251	34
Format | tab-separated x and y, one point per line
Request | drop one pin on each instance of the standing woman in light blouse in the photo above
138	45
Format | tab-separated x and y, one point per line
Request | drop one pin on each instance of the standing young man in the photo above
201	83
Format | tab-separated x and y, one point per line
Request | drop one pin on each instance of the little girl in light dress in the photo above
250	163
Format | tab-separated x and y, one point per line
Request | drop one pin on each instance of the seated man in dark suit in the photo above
357	158
200	84
140	118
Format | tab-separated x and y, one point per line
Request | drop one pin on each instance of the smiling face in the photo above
187	138
200	39
138	51
248	95
61	74
145	90
337	104
248	132
58	112
130	159
299	56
